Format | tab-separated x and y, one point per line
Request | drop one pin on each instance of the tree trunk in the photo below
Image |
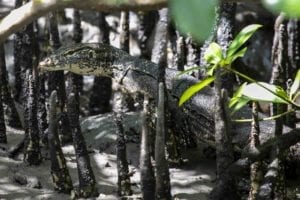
77	38
87	182
120	102
274	183
293	32
225	32
147	172
256	175
42	111
180	54
25	70
159	56
32	153
122	164
124	33
56	81
18	57
193	52
3	138
163	188
223	138
159	51
11	115
101	91
59	171
293	53
147	21
124	45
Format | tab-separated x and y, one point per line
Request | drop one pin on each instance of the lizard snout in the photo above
45	62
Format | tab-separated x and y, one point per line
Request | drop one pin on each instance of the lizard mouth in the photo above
45	65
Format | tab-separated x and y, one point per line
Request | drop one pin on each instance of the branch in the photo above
31	11
283	141
35	9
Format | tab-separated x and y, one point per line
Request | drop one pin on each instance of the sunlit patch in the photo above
271	1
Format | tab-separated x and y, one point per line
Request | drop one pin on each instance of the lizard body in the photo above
139	75
135	75
99	60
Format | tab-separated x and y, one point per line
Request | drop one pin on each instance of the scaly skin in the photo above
139	75
135	75
100	60
82	59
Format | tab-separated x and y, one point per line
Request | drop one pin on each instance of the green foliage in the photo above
241	38
238	101
213	54
290	7
194	17
215	58
259	91
295	86
194	89
237	55
253	91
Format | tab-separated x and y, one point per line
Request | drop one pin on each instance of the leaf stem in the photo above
264	119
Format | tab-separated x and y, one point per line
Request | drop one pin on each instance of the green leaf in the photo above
236	55
213	54
211	70
237	103
290	7
238	93
188	71
191	91
295	85
255	92
242	38
194	17
282	93
233	101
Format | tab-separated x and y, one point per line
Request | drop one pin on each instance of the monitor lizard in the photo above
140	75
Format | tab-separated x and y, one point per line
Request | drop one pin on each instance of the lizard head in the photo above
54	62
83	59
50	64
